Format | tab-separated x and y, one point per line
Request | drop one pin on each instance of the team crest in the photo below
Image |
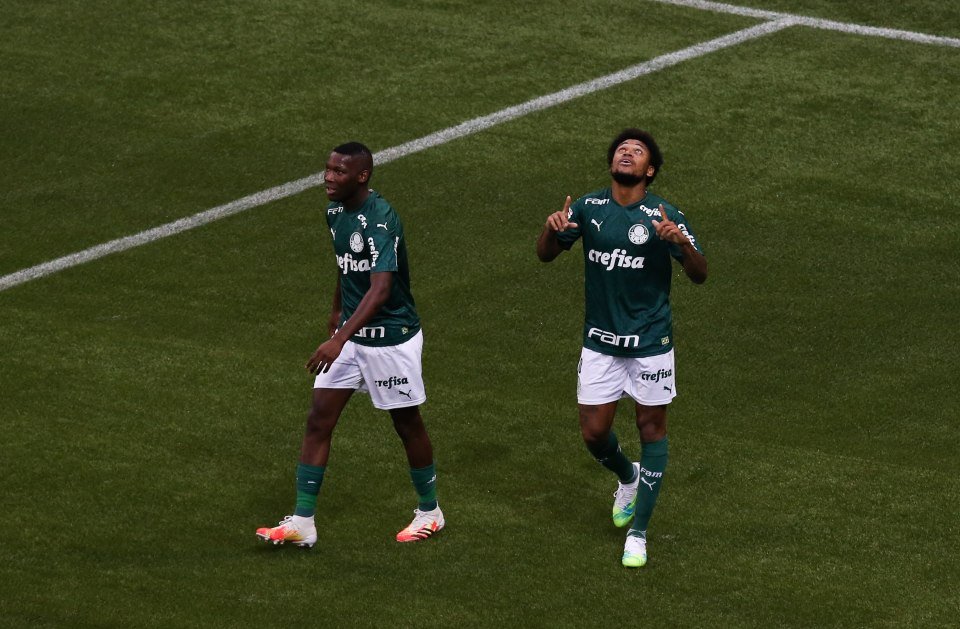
356	242
638	234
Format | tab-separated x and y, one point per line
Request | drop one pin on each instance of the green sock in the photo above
611	457
653	463
309	479
425	482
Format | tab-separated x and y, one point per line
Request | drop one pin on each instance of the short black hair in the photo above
357	148
656	157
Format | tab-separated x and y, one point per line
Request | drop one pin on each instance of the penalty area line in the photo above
388	155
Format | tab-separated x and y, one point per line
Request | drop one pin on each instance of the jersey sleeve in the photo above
683	225
567	237
383	237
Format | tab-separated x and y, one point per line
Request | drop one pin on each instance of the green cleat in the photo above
625	500
635	552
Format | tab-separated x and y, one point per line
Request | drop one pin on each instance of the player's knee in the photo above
652	423
651	433
593	434
595	426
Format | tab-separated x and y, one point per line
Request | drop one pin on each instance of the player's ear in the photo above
364	176
651	171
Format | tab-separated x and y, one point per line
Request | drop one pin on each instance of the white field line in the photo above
388	155
812	22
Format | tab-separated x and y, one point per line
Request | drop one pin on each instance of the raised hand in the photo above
668	230
560	221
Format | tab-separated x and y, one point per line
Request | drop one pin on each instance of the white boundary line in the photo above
388	155
830	25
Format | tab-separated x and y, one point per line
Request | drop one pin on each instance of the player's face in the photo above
344	176
631	162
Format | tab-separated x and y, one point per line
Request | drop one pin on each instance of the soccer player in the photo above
374	346
629	237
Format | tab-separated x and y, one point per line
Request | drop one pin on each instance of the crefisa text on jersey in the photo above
347	263
617	258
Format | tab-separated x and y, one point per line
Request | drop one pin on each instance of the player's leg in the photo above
596	423
332	391
428	518
300	528
601	380
325	411
408	423
653	388
596	428
652	423
394	376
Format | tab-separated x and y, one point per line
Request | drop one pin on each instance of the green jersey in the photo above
627	271
370	240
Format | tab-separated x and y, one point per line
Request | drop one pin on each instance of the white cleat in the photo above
296	530
424	525
625	499
634	552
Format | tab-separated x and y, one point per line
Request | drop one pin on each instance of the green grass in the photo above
153	401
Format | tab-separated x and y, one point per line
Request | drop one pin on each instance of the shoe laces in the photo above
420	518
622	489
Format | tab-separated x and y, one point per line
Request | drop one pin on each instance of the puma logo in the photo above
383	225
406	393
596	223
648	484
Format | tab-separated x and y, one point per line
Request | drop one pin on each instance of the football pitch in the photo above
152	392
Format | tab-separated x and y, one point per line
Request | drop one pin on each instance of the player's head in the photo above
634	157
348	171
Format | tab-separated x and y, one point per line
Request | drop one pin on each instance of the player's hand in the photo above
323	358
560	221
668	230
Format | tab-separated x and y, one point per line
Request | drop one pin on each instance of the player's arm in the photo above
548	247
373	300
336	310
693	262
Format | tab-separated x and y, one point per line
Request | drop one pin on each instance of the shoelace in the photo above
622	487
420	518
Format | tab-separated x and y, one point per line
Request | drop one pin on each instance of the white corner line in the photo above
388	155
812	22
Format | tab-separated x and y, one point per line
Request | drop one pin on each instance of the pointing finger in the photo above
565	213
663	214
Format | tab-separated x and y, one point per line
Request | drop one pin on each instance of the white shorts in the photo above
392	375
602	379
